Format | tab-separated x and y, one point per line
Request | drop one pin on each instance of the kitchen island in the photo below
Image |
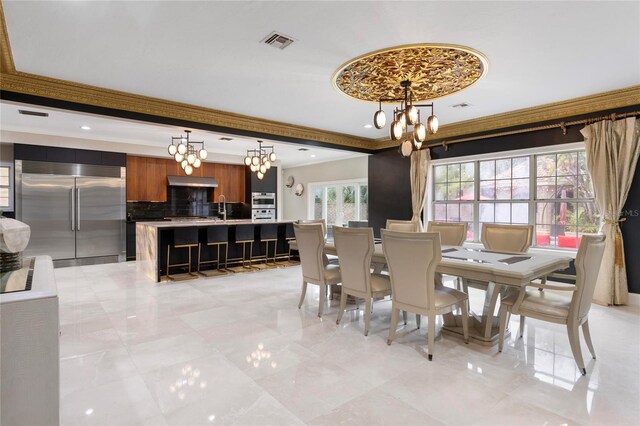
152	240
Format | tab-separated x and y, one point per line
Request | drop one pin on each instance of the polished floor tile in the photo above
236	350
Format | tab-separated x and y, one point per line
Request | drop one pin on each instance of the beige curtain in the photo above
612	153
419	180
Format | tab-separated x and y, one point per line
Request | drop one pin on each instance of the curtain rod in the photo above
563	125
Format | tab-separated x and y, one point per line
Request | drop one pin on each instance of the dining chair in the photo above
355	249
310	241
451	234
506	238
403	225
412	282
327	257
571	310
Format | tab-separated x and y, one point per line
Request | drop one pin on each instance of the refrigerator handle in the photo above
78	208
73	211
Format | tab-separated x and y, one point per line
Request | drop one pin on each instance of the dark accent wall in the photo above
269	182
390	189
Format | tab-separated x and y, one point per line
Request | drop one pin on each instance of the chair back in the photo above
310	241
320	221
451	233
587	263
403	225
355	249
217	234
184	236
412	259
507	238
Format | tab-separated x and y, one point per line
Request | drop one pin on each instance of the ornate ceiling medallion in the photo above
434	70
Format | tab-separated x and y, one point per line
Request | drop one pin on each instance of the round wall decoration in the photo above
299	189
434	70
290	181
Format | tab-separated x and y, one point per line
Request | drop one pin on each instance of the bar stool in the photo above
217	235
268	234
244	234
289	236
186	237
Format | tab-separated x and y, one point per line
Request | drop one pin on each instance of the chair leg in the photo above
574	341
587	338
522	325
465	320
394	324
465	286
304	292
404	317
418	320
367	315
503	325
343	306
431	337
323	297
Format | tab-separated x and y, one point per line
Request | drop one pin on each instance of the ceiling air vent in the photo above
278	40
461	105
225	139
34	113
303	149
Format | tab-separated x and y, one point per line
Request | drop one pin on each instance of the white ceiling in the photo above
208	53
62	128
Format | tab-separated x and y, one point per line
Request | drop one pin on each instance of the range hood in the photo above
193	182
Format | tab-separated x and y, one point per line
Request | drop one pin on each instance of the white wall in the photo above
295	207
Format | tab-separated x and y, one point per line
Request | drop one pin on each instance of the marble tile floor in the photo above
236	350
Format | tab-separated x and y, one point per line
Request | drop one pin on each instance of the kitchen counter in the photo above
152	240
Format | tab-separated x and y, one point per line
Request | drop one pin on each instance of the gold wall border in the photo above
620	98
30	84
6	57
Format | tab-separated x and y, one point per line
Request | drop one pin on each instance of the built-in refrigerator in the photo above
76	211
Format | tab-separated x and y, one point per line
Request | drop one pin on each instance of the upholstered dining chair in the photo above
571	310
327	257
451	234
506	238
355	249
310	241
412	283
403	225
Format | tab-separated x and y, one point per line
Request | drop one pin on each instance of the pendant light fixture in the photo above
260	160
407	114
189	154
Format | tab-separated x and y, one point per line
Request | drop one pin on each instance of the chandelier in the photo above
408	114
259	160
189	154
410	75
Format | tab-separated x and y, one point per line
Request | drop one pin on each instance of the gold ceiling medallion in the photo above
434	70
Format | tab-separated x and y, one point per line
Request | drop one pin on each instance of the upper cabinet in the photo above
147	178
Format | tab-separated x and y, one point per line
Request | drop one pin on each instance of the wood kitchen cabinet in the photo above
147	178
136	178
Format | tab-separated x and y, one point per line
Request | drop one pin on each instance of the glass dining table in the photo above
490	271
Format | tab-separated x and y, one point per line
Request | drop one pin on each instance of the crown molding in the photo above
628	96
31	84
6	57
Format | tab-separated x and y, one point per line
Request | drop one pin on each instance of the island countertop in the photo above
207	222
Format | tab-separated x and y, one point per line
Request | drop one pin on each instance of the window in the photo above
5	188
339	202
551	191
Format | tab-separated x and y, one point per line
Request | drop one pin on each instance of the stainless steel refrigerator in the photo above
76	211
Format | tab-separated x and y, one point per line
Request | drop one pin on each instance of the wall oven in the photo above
263	200
263	214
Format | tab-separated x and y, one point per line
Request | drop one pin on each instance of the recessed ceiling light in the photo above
313	156
85	127
368	126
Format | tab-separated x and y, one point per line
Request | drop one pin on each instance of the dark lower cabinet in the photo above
131	241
